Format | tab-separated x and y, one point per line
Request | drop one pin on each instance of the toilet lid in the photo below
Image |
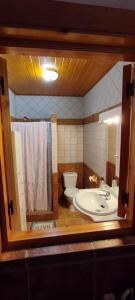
70	192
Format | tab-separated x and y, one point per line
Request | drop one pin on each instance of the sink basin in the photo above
95	202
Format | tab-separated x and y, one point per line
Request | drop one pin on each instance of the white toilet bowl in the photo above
70	193
70	180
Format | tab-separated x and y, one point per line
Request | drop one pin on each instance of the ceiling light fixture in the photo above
49	73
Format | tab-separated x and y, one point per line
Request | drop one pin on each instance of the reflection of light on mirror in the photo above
111	116
114	120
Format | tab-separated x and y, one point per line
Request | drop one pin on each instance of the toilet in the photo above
70	180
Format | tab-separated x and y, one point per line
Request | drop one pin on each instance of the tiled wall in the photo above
95	147
106	93
12	102
70	143
44	106
112	143
54	148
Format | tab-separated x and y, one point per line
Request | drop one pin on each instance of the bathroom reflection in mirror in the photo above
112	120
60	141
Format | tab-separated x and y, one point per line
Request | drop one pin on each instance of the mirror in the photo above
112	121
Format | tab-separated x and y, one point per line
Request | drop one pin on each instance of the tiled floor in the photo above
68	217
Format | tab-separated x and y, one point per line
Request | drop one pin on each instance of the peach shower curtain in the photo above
34	136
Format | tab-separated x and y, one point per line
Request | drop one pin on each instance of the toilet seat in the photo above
70	192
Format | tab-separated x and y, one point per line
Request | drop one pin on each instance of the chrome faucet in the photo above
107	195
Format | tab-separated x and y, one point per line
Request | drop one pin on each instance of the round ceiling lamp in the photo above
49	73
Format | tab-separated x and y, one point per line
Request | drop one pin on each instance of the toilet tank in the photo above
70	179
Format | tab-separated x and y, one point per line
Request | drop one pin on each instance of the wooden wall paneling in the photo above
70	167
58	273
87	172
131	170
95	117
88	259
118	280
65	18
96	39
40	216
16	273
4	221
4	218
7	144
0	241
125	135
70	121
55	194
110	172
91	119
53	48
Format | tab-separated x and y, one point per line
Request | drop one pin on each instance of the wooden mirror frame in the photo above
54	37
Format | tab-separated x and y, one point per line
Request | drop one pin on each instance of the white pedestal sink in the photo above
100	204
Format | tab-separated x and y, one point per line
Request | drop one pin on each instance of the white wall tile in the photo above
70	143
95	147
106	93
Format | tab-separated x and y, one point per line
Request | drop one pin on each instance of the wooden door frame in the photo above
65	26
72	29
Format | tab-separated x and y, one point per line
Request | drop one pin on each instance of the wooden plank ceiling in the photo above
76	75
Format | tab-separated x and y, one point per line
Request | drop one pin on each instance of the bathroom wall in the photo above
44	106
70	143
95	147
112	143
70	152
70	137
12	103
106	93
